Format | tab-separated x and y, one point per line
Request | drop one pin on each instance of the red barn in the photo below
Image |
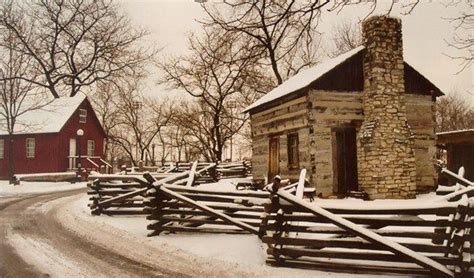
46	140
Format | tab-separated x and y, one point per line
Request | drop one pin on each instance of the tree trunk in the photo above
11	169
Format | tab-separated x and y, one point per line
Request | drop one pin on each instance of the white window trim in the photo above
31	148
82	116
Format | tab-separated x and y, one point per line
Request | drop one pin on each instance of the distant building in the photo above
46	140
459	146
363	121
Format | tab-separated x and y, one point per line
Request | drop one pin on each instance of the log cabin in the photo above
46	140
362	121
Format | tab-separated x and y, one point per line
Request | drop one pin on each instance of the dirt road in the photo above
26	225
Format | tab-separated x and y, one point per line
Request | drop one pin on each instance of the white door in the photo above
72	153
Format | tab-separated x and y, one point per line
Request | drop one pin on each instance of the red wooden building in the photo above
46	140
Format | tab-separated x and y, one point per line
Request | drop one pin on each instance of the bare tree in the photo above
137	121
463	40
73	44
275	30
345	36
17	96
215	73
454	112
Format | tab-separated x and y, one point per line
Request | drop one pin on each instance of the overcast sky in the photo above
424	35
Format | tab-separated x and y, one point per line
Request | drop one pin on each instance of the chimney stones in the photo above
386	162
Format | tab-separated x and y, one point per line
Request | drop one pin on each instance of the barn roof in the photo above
323	73
49	119
456	136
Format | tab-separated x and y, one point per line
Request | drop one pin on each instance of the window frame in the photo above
30	147
82	115
293	151
89	149
2	148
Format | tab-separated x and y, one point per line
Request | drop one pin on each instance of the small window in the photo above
82	115
90	147
2	148
293	159
30	147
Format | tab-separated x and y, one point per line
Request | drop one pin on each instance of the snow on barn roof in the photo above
304	78
49	119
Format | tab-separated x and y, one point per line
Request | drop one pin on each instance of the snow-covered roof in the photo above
308	76
49	119
304	78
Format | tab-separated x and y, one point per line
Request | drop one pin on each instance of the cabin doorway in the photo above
344	154
72	153
274	158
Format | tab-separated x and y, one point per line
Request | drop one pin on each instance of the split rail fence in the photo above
432	238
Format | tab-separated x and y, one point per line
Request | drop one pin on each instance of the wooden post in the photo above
192	175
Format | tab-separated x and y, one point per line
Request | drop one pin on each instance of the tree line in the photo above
54	48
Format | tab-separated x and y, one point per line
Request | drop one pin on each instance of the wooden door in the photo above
273	158
344	144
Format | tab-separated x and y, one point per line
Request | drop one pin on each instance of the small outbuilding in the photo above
459	146
363	121
47	140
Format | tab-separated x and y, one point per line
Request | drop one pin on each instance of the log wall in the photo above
314	116
279	121
421	118
329	110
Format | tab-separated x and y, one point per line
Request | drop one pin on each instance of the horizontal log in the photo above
348	266
201	213
222	206
444	209
123	212
357	255
350	243
197	190
202	220
379	221
200	230
338	231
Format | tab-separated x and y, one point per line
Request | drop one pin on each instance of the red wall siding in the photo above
45	160
52	150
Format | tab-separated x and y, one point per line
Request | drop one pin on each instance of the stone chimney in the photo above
386	162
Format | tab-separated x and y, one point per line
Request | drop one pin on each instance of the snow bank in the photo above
7	189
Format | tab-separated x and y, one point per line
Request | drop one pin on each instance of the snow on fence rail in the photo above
436	236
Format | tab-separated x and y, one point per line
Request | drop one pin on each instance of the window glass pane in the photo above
82	115
293	160
30	147
90	147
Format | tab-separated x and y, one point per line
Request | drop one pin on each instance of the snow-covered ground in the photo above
237	251
8	190
216	254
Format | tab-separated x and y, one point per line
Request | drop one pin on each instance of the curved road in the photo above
22	217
